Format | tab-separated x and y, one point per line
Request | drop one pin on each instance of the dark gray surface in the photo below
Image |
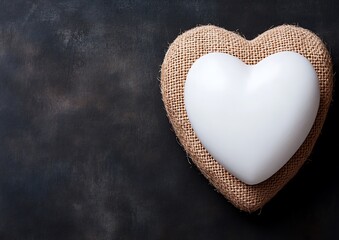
86	150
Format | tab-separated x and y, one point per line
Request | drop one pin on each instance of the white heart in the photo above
252	118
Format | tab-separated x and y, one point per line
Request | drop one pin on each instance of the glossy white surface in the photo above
252	118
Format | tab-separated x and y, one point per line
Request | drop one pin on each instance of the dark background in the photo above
86	150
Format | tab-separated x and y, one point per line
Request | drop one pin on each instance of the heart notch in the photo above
248	113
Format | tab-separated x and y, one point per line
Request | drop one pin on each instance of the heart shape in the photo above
195	43
267	109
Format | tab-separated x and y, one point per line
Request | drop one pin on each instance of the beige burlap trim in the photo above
191	45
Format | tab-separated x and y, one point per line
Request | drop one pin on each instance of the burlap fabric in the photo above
191	45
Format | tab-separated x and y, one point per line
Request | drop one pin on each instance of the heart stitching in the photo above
193	44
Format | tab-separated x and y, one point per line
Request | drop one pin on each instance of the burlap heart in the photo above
191	45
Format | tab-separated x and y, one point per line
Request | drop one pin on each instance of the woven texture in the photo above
191	45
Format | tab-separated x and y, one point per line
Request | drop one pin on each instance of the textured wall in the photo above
86	150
